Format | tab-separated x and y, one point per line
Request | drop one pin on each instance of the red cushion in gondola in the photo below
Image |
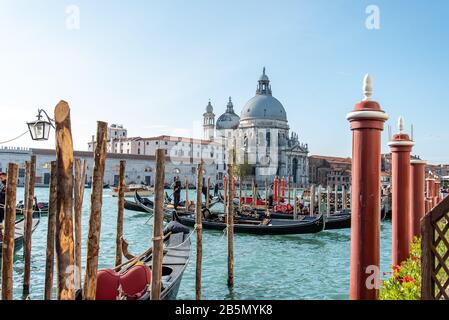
135	281
107	285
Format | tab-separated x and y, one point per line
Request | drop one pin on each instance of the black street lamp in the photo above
40	129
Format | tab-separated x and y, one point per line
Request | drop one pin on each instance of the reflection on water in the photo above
313	266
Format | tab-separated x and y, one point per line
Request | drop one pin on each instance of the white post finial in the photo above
367	87
401	124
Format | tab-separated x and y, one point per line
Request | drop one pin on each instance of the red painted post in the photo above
401	146
275	189
283	187
430	183
367	122
437	192
417	197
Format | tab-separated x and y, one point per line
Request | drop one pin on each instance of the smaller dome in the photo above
228	120
209	108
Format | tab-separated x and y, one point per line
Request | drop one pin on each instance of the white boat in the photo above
131	189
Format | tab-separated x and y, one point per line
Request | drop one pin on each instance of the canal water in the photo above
314	266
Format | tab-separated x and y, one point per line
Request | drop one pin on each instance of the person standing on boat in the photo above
216	190
176	193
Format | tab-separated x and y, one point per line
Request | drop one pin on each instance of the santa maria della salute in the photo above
260	135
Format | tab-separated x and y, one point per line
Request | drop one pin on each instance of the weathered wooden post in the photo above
187	192
230	221
275	190
96	202
240	193
312	200
65	255
208	192
343	198
288	189
9	232
266	195
367	122
295	205
336	198
158	226
417	197
80	180
225	193
253	193
120	209
401	147
28	223
199	231
50	252
319	199
328	200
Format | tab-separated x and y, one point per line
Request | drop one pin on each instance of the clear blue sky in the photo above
153	65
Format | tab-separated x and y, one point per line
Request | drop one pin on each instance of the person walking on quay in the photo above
3	178
176	193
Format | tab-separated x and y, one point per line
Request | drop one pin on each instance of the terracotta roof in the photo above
331	159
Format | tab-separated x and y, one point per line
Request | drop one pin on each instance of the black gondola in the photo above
339	220
19	234
259	227
134	206
133	280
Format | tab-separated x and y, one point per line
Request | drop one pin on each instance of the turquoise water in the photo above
266	267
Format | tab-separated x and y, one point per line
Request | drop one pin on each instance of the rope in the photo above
18	137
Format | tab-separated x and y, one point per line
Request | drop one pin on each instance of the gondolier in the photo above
176	193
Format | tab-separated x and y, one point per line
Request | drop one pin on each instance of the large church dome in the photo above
264	105
228	120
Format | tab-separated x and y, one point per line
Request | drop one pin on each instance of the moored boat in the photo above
266	226
131	190
19	234
132	281
338	220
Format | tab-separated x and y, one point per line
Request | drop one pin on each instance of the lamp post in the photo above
40	129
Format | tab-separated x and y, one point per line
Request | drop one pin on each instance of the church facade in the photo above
261	137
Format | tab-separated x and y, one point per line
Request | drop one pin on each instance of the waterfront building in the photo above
140	169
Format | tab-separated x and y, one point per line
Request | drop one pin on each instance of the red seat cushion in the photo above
135	281
107	285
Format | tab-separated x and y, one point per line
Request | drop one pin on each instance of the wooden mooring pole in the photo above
158	225
80	180
51	229
96	202
28	225
9	232
65	255
230	221
120	209
207	193
240	193
199	231
187	193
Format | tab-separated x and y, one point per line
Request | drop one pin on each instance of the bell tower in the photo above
209	122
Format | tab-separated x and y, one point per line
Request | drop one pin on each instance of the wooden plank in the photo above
96	202
51	229
427	259
9	232
158	225
64	203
